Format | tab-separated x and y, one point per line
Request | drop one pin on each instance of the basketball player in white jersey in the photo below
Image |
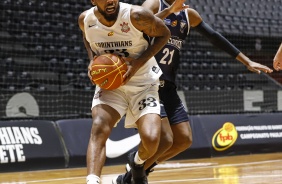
277	61
120	28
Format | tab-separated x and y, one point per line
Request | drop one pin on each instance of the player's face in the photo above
108	8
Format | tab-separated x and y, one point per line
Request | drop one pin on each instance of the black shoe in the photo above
138	172
123	179
126	178
147	171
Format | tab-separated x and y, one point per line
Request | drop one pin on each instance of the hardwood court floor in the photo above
245	169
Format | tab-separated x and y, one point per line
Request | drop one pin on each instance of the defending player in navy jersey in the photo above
176	130
168	58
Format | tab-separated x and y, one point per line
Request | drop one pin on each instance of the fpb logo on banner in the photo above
225	137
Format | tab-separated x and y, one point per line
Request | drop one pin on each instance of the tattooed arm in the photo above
146	22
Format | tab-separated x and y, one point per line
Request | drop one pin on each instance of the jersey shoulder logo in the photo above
174	23
124	27
167	22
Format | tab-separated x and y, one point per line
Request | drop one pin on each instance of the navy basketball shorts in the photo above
171	104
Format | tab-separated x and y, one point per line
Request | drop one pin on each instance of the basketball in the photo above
107	71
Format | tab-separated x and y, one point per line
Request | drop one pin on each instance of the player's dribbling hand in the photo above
89	69
129	71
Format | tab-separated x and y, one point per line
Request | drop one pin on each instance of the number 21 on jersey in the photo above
167	58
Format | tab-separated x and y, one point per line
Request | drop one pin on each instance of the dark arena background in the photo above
46	95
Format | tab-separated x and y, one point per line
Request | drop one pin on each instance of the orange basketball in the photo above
107	71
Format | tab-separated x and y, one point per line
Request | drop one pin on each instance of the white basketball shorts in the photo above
132	101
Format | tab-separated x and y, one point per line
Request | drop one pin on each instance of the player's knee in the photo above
151	143
188	142
183	142
154	141
166	141
99	129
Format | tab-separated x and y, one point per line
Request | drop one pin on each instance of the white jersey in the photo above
123	39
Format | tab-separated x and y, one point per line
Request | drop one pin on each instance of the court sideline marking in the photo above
229	177
174	169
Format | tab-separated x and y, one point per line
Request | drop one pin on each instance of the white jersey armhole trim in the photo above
188	22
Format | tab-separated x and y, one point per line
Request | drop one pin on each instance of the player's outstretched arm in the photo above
222	43
277	61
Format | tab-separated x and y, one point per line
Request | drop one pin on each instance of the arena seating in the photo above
42	50
48	29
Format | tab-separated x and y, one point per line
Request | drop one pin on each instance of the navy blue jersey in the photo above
168	57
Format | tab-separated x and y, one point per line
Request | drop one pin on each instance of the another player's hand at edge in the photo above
277	60
277	65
